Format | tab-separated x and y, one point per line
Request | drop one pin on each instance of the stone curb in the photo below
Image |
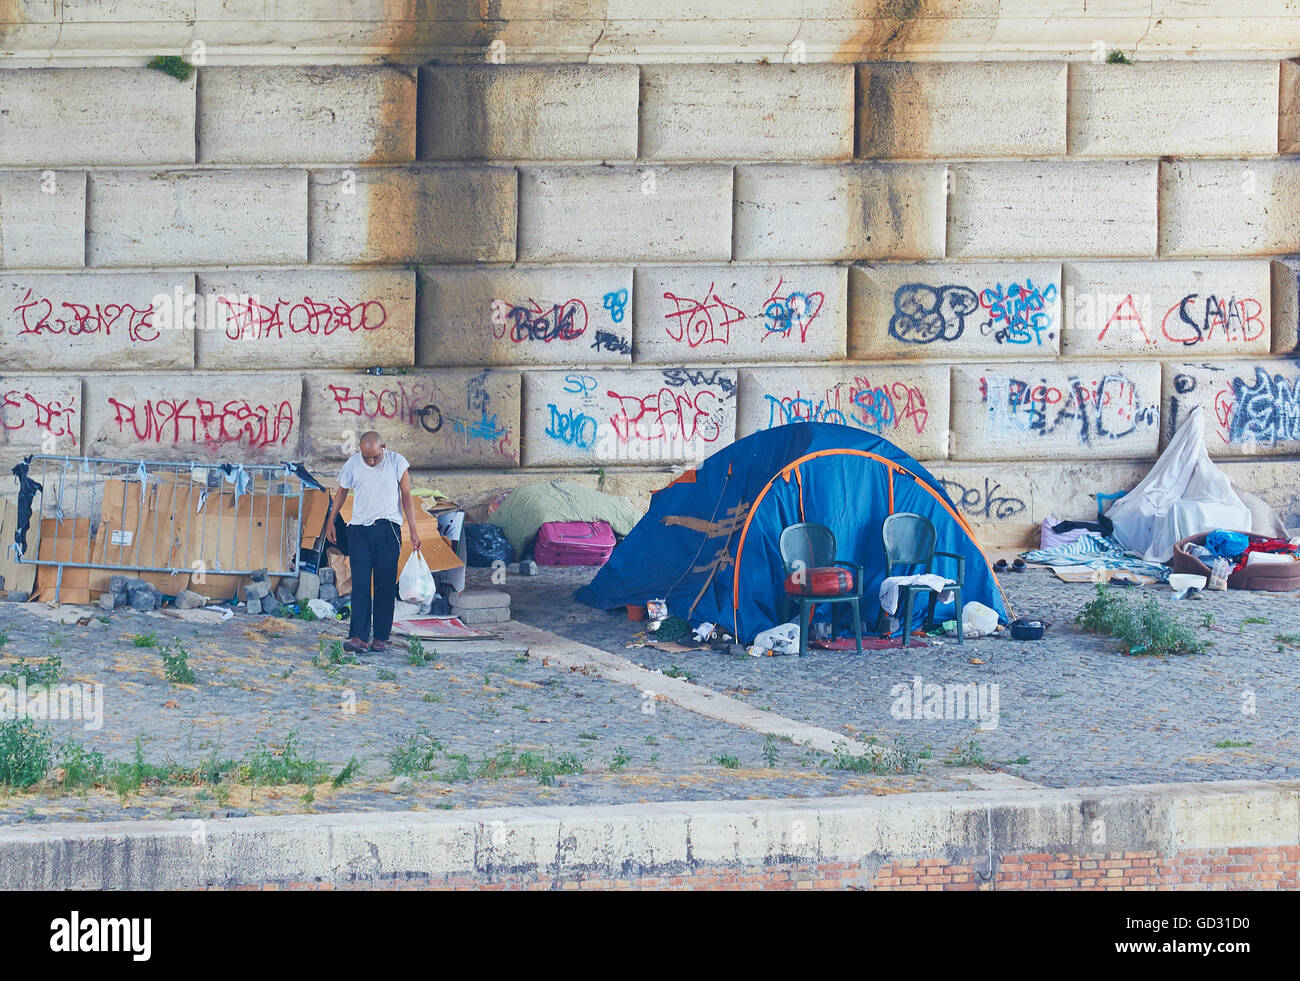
566	843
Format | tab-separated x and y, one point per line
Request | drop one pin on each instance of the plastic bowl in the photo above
1178	581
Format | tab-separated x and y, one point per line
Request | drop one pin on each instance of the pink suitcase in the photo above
573	543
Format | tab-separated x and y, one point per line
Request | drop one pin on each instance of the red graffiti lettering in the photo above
246	318
205	422
667	415
36	316
694	322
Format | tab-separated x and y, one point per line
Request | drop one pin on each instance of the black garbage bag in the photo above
485	544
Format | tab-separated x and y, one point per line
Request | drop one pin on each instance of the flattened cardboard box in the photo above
440	556
67	541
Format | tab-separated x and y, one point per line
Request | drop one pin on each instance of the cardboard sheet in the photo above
438	628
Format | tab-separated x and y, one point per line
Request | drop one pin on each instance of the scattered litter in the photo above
781	639
978	620
323	609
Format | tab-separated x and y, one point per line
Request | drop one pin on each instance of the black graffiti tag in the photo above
924	314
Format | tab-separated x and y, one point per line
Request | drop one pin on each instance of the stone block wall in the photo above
577	267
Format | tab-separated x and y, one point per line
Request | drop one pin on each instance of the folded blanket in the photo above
1094	550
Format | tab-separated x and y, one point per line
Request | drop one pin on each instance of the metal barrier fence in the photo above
145	516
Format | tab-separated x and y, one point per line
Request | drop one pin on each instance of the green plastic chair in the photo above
811	546
909	544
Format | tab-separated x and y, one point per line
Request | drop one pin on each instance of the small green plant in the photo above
1142	628
58	638
970	753
387	674
44	673
306	613
417	656
1232	744
25	753
1207	620
331	654
416	757
771	754
903	757
82	768
173	65
591	736
1255	620
345	774
432	697
620	760
727	762
674	671
1290	640
1117	57
265	767
145	640
176	663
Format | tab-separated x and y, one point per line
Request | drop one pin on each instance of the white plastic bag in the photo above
415	584
781	639
978	620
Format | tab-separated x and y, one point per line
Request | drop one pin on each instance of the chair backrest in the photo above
807	546
909	540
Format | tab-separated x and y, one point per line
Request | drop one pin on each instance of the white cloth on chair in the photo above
890	588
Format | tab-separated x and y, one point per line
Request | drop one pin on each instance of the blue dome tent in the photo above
708	543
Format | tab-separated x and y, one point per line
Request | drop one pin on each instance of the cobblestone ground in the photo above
1072	710
493	713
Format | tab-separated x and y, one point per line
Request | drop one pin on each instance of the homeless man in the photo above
381	483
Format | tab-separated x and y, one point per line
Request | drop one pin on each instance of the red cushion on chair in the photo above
831	580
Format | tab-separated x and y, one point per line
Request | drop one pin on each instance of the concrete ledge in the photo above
856	836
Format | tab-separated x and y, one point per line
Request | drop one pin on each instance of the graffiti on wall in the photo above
531	322
884	408
1016	313
623	417
705	317
41	315
1248	412
1194	319
248	318
1099	408
987	503
23	410
205	422
416	403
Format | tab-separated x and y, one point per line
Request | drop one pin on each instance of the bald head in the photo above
372	448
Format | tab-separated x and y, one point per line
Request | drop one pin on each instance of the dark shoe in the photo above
379	646
1018	565
355	645
1000	566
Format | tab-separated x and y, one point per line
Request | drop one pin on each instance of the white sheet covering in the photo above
1150	518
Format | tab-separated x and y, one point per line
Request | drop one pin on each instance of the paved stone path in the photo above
1071	707
259	679
1072	711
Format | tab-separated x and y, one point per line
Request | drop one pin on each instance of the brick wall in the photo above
577	266
1202	869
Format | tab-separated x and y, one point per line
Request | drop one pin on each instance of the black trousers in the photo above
372	552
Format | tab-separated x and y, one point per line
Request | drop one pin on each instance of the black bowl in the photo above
1027	629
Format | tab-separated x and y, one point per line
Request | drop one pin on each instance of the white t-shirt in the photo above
376	491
